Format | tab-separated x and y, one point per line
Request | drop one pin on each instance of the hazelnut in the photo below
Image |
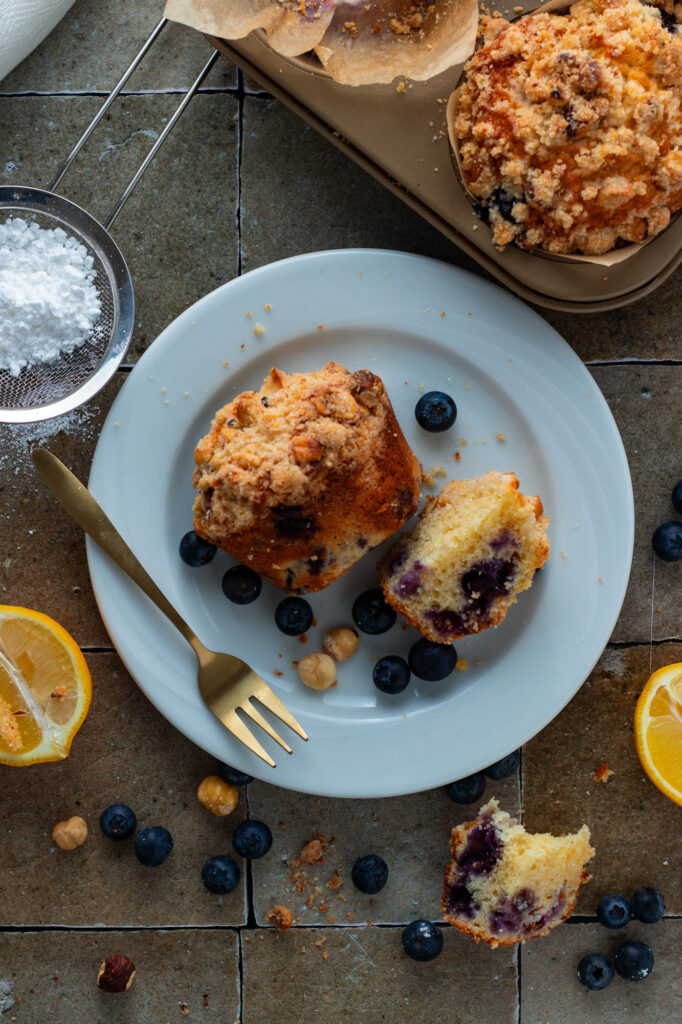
70	834
116	974
280	917
340	643
317	670
218	796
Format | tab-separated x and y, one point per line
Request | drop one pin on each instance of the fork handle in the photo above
83	508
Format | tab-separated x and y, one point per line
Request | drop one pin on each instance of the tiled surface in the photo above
552	994
224	197
636	831
411	833
53	977
124	753
364	977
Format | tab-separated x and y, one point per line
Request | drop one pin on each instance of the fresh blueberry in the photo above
422	940
220	875
153	845
252	839
468	790
241	585
677	496
432	661
391	674
293	616
595	971
196	551
117	821
667	541
505	767
369	873
648	905
613	911
633	961
233	775
435	411
372	614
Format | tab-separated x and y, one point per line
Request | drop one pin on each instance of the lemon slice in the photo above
658	730
45	688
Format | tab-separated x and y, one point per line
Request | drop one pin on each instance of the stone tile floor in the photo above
242	183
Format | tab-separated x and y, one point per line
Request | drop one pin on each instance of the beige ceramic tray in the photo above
400	138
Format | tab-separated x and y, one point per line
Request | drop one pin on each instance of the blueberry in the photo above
293	616
372	614
196	551
118	821
252	839
220	875
369	873
595	971
677	496
241	585
505	767
435	411
667	541
422	940
648	905
504	204
613	911
233	775
432	661
391	674
633	961
153	845
468	790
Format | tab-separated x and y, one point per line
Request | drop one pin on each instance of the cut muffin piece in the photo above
476	546
505	885
302	478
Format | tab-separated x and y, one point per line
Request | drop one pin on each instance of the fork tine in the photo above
256	716
272	702
233	722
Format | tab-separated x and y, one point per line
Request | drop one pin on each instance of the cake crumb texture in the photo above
505	885
476	546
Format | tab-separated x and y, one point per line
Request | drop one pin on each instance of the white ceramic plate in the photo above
420	325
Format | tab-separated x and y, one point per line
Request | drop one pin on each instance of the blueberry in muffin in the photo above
475	547
300	479
568	126
505	885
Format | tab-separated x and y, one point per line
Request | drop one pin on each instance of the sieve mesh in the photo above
45	383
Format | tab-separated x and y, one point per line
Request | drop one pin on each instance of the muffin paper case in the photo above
609	259
358	42
25	23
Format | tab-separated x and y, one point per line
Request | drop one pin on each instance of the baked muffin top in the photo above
570	126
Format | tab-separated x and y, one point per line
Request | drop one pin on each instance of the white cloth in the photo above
23	25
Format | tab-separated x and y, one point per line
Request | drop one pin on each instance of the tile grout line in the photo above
240	146
240	966
519	987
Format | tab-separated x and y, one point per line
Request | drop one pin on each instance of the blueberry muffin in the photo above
505	885
569	126
475	547
300	479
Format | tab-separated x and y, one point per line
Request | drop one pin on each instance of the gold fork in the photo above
226	683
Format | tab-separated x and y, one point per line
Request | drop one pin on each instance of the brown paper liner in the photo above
286	31
356	43
609	259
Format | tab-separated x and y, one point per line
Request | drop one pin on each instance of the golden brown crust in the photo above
570	127
301	478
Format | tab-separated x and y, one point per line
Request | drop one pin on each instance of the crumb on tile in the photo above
603	773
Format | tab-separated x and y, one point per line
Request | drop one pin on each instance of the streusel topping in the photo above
570	126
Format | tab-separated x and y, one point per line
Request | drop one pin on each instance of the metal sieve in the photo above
45	390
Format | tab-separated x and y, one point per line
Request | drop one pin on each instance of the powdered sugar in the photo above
48	300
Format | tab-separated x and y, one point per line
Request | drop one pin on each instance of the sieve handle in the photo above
161	139
107	104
